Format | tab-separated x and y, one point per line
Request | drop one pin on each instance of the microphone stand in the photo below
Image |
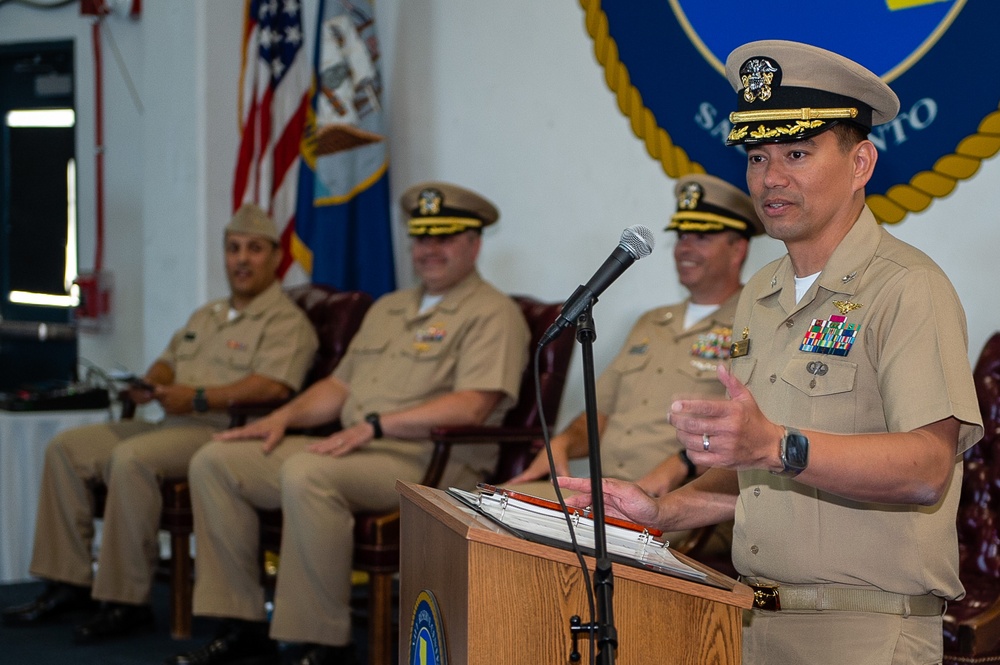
607	634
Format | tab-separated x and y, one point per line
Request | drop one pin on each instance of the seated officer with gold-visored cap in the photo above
851	399
671	350
449	351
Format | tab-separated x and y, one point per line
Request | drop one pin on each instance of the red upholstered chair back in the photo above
553	365
972	624
979	507
336	316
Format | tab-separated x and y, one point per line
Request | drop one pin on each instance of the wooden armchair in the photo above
972	625
376	535
336	315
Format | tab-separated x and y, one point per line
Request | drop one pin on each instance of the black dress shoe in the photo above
236	643
55	601
114	620
321	654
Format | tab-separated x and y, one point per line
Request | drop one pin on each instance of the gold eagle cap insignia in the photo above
846	306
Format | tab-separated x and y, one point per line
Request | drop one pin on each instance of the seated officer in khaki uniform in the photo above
450	351
671	350
255	345
851	398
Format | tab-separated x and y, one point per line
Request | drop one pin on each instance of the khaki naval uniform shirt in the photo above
474	339
271	337
904	364
659	362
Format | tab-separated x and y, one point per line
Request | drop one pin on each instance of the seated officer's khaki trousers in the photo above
130	457
318	495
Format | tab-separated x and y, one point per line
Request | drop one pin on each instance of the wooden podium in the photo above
503	599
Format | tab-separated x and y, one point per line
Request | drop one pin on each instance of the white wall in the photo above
505	97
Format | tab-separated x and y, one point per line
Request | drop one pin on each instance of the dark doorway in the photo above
37	212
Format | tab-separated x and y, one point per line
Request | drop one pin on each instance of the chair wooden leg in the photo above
180	585
379	618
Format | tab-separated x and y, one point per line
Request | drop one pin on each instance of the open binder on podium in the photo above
542	521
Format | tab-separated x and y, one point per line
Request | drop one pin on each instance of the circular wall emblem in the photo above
665	63
427	645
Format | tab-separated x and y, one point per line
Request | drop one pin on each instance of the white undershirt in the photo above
802	285
696	313
429	301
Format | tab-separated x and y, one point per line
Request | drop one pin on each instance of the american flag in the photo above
275	79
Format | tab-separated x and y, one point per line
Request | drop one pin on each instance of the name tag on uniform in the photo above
741	347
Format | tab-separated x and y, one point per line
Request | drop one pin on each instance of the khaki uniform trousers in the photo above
837	637
318	495
130	457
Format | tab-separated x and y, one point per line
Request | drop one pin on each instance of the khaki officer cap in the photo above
706	204
252	220
441	208
789	91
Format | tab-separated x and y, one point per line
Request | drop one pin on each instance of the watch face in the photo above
796	451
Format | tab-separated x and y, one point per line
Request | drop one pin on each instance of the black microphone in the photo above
636	242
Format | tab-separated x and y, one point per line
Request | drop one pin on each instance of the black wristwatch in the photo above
200	401
794	452
373	419
692	469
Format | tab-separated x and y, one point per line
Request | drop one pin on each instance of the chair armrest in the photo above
241	412
517	441
981	633
128	405
485	434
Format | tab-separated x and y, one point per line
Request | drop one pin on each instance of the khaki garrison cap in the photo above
252	220
440	208
706	204
790	91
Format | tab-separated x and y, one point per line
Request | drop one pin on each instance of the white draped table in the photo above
23	437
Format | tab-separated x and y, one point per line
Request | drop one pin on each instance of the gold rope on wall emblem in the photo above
891	208
926	186
660	147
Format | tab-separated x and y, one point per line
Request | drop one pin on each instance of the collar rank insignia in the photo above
429	202
742	347
834	337
846	306
714	344
757	76
639	349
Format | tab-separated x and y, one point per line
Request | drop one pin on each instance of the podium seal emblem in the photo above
426	635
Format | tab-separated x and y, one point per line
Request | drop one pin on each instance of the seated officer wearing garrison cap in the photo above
450	351
254	345
851	399
671	350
